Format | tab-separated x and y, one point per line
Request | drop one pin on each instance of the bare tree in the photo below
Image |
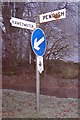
60	39
10	36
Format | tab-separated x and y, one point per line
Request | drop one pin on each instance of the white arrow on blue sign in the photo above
38	42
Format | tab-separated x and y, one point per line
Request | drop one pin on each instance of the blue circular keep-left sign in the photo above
38	42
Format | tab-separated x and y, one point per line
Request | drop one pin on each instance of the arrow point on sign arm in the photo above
10	20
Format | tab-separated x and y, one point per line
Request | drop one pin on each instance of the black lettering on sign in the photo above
32	26
47	16
62	13
50	16
44	17
18	23
13	21
23	24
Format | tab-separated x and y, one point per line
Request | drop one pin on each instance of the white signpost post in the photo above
38	40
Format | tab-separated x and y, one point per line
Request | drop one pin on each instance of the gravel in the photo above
20	104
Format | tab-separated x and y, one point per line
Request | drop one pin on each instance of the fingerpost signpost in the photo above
38	41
